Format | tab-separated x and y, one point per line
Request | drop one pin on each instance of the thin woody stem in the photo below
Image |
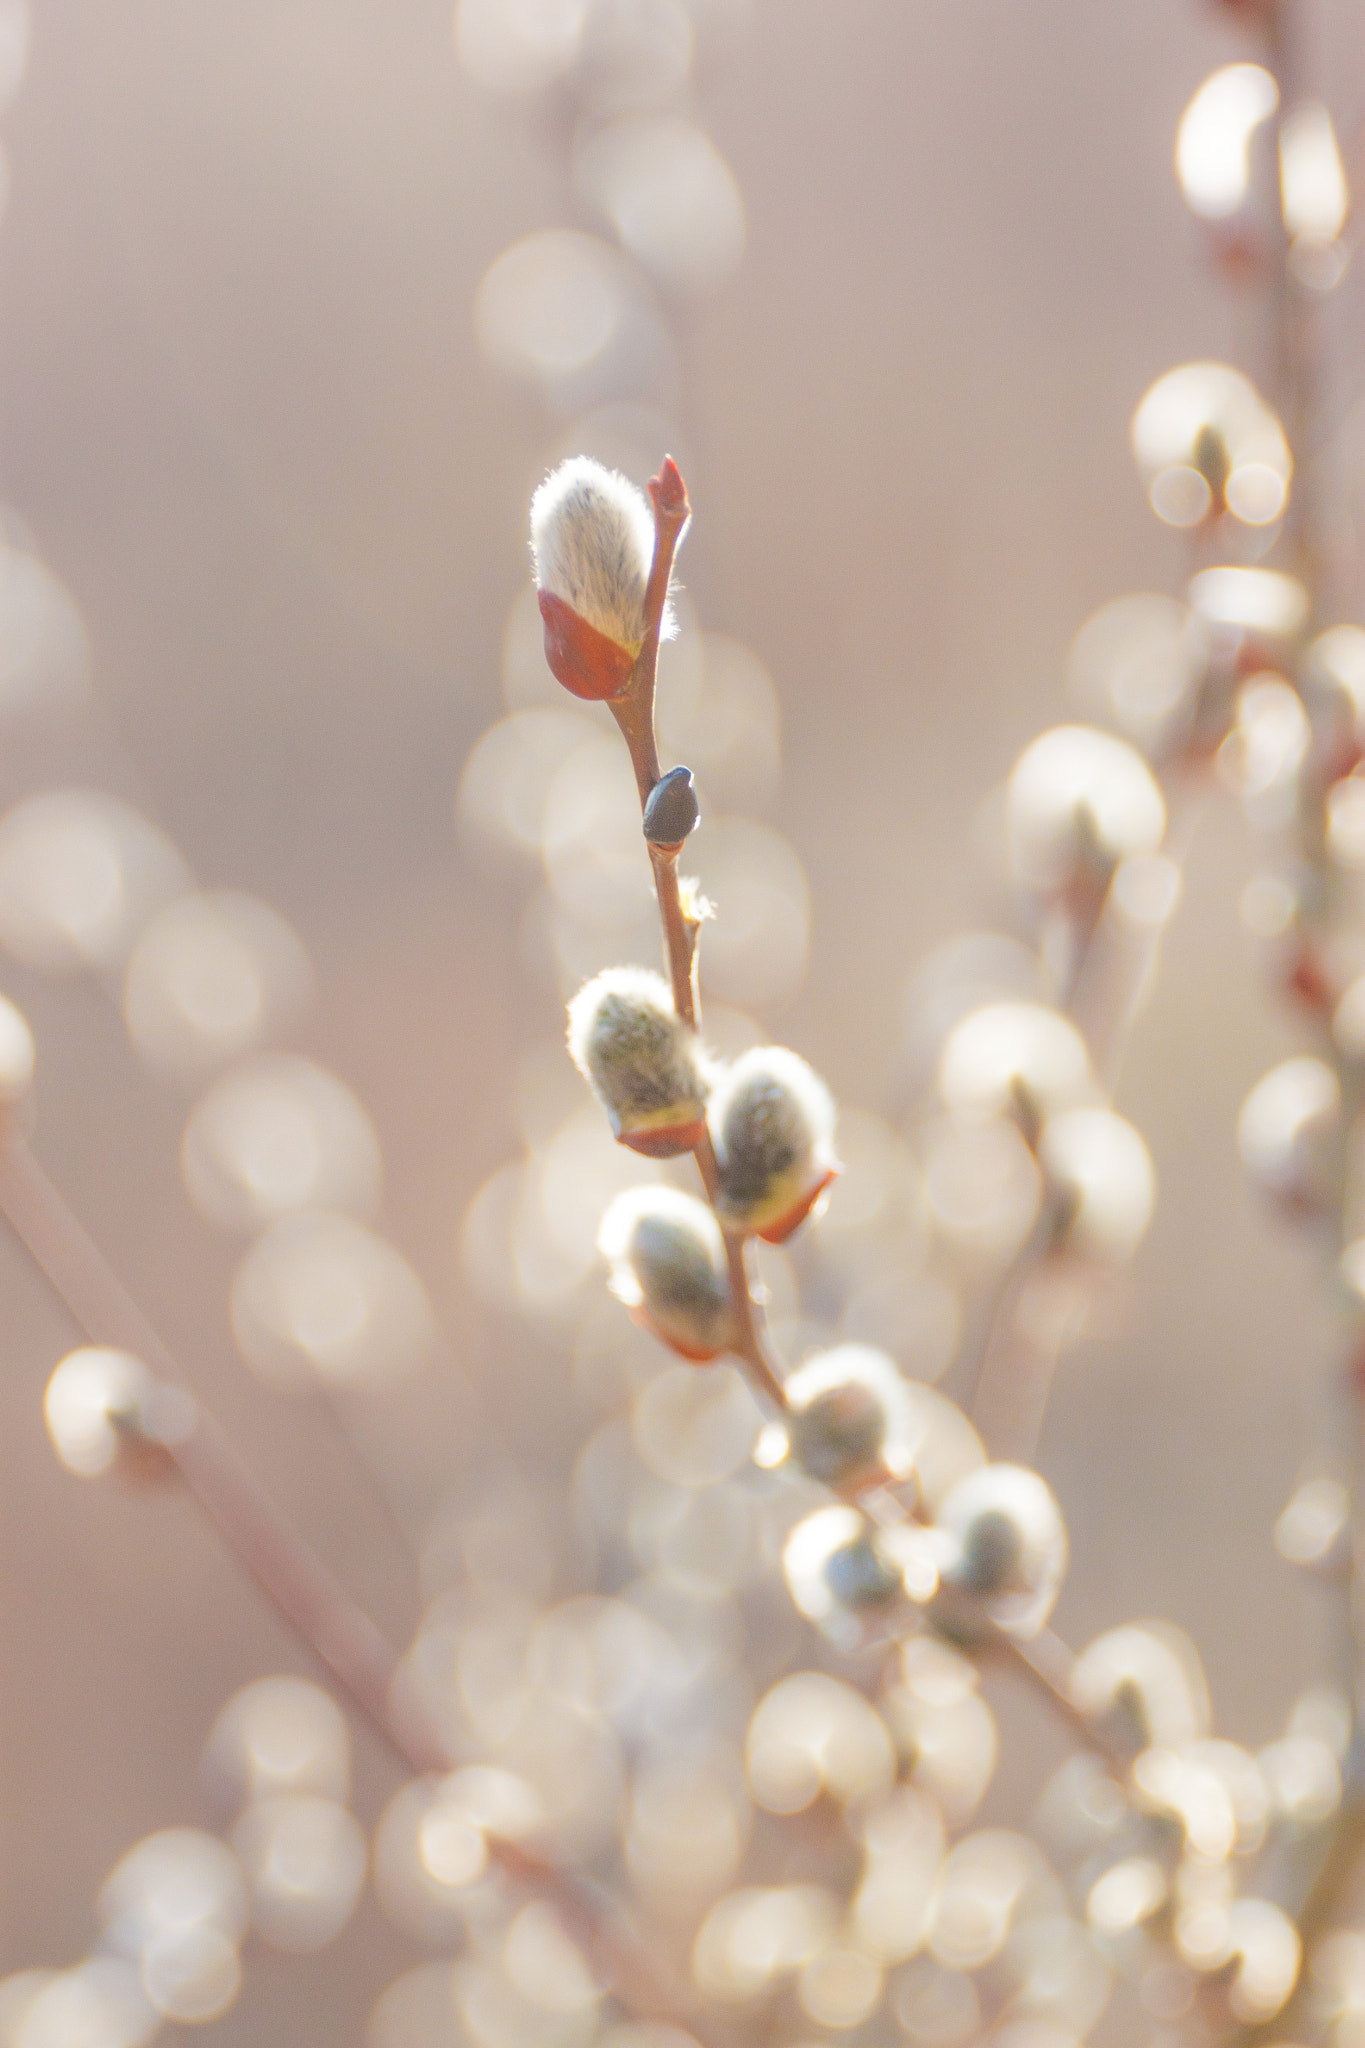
680	931
1004	1375
1045	1663
294	1579
633	711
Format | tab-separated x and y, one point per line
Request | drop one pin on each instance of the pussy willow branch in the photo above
1044	1664
633	711
1004	1372
1297	339
317	1609
330	1402
297	1583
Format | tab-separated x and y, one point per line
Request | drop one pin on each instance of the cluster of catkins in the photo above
851	1422
995	1547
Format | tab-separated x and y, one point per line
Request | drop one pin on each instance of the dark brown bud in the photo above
672	810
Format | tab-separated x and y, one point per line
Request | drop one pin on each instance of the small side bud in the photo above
849	1417
100	1410
645	1065
592	539
772	1124
668	1266
669	492
1005	1549
672	810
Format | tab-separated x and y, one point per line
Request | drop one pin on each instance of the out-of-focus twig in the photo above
307	1596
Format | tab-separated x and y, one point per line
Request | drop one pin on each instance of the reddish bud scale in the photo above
692	1353
1307	980
786	1225
587	662
667	1143
1343	762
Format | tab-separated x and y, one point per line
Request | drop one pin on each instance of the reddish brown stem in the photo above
1044	1663
680	932
634	714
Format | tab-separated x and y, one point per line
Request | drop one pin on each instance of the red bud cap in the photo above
584	660
669	492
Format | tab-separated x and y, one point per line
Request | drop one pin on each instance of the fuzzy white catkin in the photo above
848	1412
1009	1055
1287	1132
1007	1544
644	1063
772	1124
90	1406
592	541
1073	786
1101	1166
668	1265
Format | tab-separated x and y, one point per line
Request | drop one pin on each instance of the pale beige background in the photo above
242	411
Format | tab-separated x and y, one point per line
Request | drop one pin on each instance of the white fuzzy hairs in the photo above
628	1040
592	541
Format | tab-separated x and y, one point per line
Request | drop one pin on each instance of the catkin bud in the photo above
1103	1179
644	1063
668	1266
1078	802
592	539
848	1416
101	1414
1020	1059
847	1575
772	1124
1289	1134
1142	1682
1005	1548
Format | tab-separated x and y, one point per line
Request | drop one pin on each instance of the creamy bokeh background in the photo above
243	413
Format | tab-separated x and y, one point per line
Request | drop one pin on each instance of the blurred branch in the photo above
310	1600
294	1579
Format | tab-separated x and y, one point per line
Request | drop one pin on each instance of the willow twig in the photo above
306	1595
633	711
